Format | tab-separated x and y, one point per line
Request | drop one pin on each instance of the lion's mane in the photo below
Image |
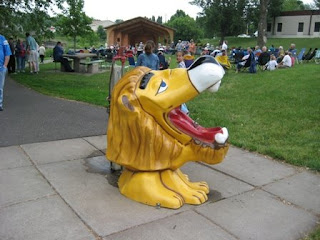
135	139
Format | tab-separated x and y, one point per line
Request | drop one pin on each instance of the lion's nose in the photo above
206	75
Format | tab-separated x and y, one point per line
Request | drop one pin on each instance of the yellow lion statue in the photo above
151	137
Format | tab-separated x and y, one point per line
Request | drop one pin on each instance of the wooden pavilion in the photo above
136	30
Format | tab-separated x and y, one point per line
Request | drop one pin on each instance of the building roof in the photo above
300	13
135	21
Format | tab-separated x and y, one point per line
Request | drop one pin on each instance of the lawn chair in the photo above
276	52
307	55
131	61
317	57
300	55
263	59
188	60
312	54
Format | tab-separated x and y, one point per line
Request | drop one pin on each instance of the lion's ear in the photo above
126	103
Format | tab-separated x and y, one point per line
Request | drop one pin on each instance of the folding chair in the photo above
317	57
188	60
300	55
312	54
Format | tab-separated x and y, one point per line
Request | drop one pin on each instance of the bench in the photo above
62	69
93	66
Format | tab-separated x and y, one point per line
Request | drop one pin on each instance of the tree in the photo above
17	17
291	5
101	33
185	26
317	3
223	17
262	29
159	20
74	22
118	21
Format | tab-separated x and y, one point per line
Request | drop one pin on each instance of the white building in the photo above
295	24
96	23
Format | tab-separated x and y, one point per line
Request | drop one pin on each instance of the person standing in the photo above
12	60
42	52
192	47
148	58
20	55
224	46
5	53
32	52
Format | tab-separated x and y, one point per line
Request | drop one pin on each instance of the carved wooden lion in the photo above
151	137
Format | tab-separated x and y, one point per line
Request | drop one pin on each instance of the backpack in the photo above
252	68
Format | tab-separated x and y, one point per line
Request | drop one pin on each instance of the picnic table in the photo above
77	58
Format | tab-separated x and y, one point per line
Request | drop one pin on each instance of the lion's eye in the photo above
163	87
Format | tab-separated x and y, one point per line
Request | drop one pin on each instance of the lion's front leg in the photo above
167	188
148	188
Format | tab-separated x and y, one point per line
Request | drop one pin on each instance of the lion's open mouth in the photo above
211	137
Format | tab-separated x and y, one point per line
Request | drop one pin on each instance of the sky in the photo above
127	9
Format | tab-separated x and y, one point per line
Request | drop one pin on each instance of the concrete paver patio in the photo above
64	190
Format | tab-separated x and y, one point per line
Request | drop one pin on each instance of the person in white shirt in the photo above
42	52
272	64
224	46
286	61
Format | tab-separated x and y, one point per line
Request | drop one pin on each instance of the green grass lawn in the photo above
315	235
80	87
273	113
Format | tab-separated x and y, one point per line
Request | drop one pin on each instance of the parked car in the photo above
243	36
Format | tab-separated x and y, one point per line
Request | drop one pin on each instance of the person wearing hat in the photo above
163	63
205	51
140	48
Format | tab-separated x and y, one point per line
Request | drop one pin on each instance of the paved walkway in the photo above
32	117
63	189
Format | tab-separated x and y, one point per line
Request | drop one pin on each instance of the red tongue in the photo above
184	123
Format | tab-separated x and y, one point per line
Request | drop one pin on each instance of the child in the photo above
181	64
272	64
180	60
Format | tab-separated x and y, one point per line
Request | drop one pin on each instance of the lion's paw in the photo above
192	193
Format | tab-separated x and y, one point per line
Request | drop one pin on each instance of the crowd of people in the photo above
15	55
148	54
25	51
266	59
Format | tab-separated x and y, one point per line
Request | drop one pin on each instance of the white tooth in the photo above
225	132
198	142
222	137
